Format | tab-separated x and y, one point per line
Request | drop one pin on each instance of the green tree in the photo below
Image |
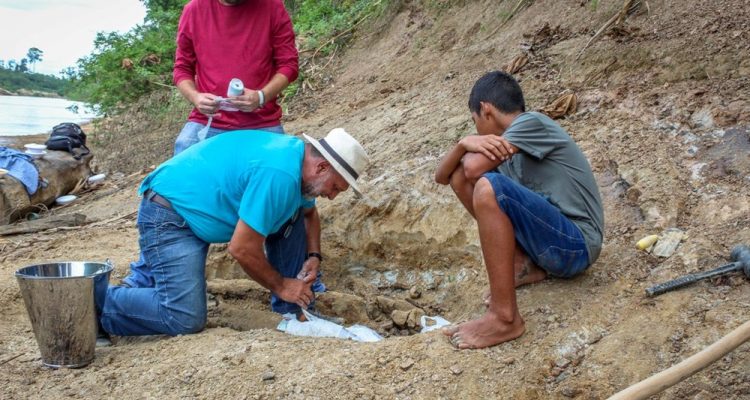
22	66
34	55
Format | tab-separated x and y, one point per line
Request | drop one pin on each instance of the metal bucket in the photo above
59	298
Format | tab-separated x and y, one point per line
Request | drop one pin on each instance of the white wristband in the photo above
261	98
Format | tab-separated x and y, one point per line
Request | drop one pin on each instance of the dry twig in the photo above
518	7
629	7
11	359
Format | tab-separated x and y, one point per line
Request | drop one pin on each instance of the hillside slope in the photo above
663	116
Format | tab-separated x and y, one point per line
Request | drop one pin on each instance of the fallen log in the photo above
61	173
53	221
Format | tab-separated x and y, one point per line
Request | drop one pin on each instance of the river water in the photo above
21	115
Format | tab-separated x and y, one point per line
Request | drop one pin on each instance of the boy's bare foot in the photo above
485	331
526	271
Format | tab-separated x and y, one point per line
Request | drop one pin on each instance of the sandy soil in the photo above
663	115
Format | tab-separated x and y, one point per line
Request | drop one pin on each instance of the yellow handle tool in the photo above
647	242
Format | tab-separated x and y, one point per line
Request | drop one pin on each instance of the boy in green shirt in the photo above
534	197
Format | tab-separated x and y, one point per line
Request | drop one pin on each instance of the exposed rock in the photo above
387	304
348	306
412	320
400	317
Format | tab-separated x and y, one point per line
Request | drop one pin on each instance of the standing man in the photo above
246	188
218	40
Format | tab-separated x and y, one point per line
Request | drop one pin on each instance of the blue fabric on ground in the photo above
20	166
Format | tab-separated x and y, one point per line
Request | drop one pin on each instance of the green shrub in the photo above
124	67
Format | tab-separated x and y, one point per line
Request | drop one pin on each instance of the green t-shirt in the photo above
551	164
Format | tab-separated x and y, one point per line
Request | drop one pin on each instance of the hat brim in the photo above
331	160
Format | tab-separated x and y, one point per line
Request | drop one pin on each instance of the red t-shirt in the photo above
251	41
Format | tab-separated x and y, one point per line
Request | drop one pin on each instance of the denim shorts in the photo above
549	238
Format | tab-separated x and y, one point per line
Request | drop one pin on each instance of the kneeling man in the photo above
255	190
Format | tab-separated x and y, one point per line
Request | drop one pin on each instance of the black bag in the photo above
68	137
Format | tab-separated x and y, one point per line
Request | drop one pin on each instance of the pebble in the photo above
415	292
570	392
456	370
406	364
562	362
508	360
268	376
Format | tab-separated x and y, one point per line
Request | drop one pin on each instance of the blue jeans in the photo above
173	261
167	293
189	134
549	238
286	251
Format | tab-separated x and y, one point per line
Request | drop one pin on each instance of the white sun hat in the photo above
345	154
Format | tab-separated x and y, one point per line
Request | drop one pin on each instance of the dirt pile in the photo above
663	114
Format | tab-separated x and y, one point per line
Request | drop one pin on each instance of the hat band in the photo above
338	158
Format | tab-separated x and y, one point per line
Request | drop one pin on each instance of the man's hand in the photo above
491	146
249	101
206	103
309	270
296	291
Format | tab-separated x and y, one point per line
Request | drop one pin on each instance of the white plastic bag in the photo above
319	327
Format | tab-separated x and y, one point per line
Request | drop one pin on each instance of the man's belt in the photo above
157	198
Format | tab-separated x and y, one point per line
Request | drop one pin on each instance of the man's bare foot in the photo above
485	331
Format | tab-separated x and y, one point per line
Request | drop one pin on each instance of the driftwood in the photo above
54	221
62	173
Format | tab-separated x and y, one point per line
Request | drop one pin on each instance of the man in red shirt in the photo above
218	40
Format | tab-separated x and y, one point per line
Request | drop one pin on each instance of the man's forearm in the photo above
188	90
264	274
275	86
257	267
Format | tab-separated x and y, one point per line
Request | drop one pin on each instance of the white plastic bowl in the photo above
62	200
96	178
35	147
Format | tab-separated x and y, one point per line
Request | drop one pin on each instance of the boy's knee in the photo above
484	194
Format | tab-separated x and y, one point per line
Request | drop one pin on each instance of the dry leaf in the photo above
562	106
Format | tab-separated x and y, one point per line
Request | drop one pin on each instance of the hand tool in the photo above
740	262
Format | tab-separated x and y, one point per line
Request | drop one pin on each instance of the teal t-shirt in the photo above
255	176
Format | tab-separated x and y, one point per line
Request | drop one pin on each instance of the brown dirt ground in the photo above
663	116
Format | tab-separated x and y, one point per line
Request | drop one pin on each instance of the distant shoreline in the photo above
31	93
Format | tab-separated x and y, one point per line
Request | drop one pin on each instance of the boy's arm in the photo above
449	163
494	150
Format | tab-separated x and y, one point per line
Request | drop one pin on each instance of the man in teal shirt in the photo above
256	191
